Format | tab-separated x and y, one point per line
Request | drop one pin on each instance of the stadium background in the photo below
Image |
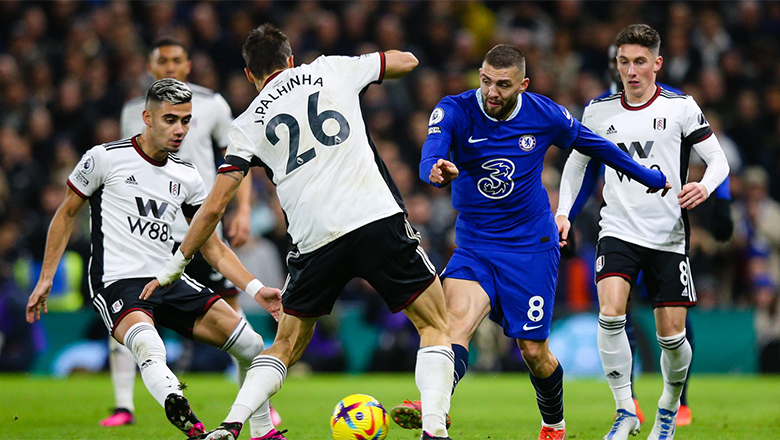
67	67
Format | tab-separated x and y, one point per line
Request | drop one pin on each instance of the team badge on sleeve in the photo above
599	263
175	188
436	116
527	142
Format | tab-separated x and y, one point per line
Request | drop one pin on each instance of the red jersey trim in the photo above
78	193
383	62
613	274
645	105
274	75
156	163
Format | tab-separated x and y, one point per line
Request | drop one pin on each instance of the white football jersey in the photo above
133	202
306	128
209	126
658	134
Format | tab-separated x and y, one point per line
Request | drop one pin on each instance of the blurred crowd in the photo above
67	67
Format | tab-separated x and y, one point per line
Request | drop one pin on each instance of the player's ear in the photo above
249	75
659	61
524	84
290	62
147	115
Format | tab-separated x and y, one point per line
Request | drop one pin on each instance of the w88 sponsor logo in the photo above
152	229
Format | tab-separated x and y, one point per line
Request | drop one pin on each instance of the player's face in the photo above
169	62
500	89
638	68
168	124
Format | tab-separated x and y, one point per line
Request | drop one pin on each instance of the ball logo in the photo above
599	263
436	116
88	164
527	142
499	183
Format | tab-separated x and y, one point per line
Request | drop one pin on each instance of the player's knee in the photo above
145	343
243	343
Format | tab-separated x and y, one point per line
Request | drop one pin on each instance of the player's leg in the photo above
617	266
546	375
684	416
122	368
266	375
137	331
631	334
467	306
671	288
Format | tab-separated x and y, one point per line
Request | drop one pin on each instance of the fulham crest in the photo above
175	188
599	263
659	124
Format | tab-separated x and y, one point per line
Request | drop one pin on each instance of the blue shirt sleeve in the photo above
440	138
595	146
723	191
568	127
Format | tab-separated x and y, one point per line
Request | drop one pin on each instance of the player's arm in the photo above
435	167
225	261
591	144
571	182
240	225
694	193
56	241
398	64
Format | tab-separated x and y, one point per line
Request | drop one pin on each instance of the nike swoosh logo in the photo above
473	141
526	327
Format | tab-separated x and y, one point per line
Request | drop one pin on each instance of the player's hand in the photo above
271	299
239	231
37	302
149	288
692	195
564	225
443	171
663	190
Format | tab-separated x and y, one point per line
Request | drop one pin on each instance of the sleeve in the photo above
593	145
695	126
568	127
440	138
717	164
240	151
195	196
224	119
571	181
359	71
90	172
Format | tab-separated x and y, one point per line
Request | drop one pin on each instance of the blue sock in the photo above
549	396
461	363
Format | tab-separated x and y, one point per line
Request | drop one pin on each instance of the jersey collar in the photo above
137	147
628	106
511	116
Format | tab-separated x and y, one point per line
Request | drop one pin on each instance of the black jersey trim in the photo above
611	97
643	106
685	157
177	159
123	143
189	210
156	163
671	95
97	259
699	135
234	163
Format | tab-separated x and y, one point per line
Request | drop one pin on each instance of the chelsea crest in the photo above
527	142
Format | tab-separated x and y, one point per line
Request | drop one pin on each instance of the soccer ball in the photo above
359	417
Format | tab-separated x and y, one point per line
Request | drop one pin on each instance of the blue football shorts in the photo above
521	287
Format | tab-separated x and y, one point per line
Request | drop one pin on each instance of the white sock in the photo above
434	374
263	379
676	357
122	366
149	352
244	345
616	359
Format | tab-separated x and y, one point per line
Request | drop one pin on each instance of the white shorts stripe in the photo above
102	308
192	281
691	288
425	259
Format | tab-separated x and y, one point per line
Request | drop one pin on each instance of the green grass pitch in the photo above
485	406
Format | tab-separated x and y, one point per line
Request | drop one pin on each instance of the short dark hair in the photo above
168	90
504	56
167	41
266	50
640	34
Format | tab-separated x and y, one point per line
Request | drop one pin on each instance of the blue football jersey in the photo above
498	194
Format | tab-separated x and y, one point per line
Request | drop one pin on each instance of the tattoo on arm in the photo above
235	175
